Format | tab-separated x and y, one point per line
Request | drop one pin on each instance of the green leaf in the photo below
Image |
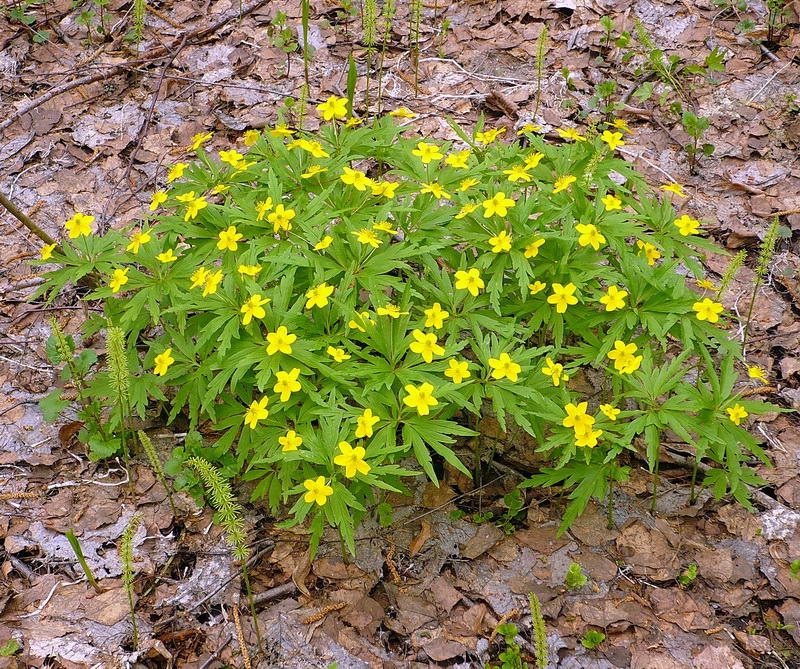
52	405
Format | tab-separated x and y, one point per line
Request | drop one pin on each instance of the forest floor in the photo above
430	589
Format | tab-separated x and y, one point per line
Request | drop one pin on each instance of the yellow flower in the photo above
402	112
313	170
625	362
562	183
193	208
352	122
355	178
251	137
338	354
528	127
324	243
390	310
363	318
262	208
504	367
707	310
220	188
621	124
318	490
533	160
614	298
281	218
137	239
587	439
705	283
610	412
162	362
532	249
470	280
314	148
186	197
737	413
458	158
256	411
249	270
385	188
517	173
280	341
200	138
167	256
757	373
498	205
228	238
610	202
290	442
466	210
436	190
590	236
468	183
650	252
211	282
426	345
687	226
281	130
536	287
674	188
489	136
364	424
159	198
198	277
176	172
577	418
500	243
333	108
457	371
563	296
287	384
385	226
367	236
555	371
352	459
253	308
79	225
118	279
318	296
435	316
570	133
427	152
232	157
47	251
420	398
613	139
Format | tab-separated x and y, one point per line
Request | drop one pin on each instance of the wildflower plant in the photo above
340	304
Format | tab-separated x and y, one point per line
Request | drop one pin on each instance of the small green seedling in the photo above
575	578
592	639
9	648
76	548
794	570
688	576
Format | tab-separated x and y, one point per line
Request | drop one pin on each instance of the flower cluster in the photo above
334	302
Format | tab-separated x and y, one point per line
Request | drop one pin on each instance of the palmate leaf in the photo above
590	480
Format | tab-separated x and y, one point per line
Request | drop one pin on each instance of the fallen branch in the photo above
156	53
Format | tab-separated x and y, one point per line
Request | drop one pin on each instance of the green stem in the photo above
251	602
655	482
